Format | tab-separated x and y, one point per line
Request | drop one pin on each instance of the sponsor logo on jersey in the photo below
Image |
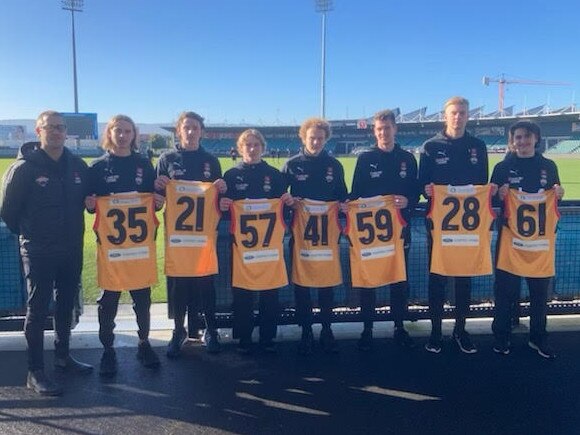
461	190
111	178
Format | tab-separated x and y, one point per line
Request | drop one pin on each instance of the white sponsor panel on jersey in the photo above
459	240
316	255
262	256
530	245
128	254
187	241
378	252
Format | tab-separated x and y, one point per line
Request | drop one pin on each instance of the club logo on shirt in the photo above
42	181
329	175
543	178
473	159
267	186
403	171
175	170
300	175
77	178
139	176
240	184
441	157
514	177
206	170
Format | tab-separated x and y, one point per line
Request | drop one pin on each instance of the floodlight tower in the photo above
74	6
323	6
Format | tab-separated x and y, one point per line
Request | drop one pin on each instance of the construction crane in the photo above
502	82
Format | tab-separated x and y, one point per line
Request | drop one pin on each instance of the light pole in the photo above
323	6
74	6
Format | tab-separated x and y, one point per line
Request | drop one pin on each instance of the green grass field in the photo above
569	169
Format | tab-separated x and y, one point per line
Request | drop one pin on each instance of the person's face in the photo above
189	134
122	135
456	116
315	140
524	142
385	132
251	150
52	132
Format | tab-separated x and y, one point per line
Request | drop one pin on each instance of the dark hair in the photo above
530	127
184	115
385	115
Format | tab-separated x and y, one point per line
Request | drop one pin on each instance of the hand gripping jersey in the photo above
125	225
461	218
528	237
257	227
191	219
316	254
374	228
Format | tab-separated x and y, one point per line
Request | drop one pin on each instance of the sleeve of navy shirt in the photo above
14	191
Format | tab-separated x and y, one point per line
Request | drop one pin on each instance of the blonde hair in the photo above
247	133
45	115
459	101
107	144
314	123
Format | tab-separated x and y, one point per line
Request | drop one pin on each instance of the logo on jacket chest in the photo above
329	175
299	174
473	156
240	184
403	170
42	181
543	178
441	157
267	184
139	176
206	170
77	178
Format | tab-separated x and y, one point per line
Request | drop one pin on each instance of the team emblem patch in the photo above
206	170
403	171
76	178
42	181
267	185
543	178
139	176
473	159
329	175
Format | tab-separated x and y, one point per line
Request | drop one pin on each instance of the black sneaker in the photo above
41	384
543	349
327	341
176	343
108	363
403	339
502	347
306	346
211	340
464	342
433	345
147	356
244	347
365	342
268	347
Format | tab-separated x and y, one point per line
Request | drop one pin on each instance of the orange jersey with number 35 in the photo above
125	225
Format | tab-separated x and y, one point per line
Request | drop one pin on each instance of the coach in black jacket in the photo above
43	201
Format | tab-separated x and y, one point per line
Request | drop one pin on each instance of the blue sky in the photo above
258	61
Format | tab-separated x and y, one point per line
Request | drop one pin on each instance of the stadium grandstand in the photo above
560	130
